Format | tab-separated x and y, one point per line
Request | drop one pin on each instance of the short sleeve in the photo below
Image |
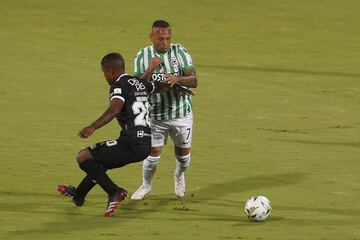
184	57
150	86
139	63
116	92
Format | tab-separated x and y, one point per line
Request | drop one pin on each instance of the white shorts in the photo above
179	129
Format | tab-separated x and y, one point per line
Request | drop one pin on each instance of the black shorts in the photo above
120	152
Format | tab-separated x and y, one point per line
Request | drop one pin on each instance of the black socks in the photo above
85	186
95	171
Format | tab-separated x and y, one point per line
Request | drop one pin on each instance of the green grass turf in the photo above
276	113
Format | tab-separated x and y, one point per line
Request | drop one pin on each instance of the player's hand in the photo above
187	91
162	86
86	132
154	62
171	79
180	91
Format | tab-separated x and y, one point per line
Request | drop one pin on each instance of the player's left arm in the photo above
114	109
155	86
184	83
188	77
188	80
154	62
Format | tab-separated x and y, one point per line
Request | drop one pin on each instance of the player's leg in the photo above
182	137
149	166
149	169
95	171
91	161
85	186
158	140
182	163
70	191
115	154
78	194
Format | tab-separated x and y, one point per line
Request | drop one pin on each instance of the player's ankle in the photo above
146	185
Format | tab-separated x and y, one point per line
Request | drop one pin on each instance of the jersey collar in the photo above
124	74
160	53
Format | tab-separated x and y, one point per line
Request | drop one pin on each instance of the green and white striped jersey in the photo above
165	106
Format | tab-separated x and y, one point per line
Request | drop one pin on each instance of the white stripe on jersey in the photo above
146	60
182	63
166	106
118	97
141	65
173	105
167	64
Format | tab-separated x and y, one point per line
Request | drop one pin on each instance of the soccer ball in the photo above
258	208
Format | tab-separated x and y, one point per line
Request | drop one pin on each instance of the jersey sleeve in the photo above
139	63
185	59
150	86
117	92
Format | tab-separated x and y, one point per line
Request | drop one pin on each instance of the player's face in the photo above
108	74
161	38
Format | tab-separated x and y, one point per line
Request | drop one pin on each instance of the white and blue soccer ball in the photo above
258	208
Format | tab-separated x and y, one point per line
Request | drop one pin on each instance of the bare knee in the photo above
83	156
182	151
155	151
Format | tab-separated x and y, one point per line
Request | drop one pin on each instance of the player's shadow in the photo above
78	219
215	196
249	183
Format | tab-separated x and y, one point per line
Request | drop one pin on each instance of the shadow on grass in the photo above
250	183
166	207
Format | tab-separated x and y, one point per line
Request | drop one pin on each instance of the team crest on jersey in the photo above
184	49
117	91
174	62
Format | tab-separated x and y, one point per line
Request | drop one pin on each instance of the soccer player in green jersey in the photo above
170	111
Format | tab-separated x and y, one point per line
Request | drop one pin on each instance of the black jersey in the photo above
134	117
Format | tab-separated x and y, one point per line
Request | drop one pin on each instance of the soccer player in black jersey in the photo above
129	104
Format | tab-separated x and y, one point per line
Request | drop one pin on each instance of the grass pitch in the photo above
276	114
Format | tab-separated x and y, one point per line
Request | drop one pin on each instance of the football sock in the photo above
85	186
182	163
149	168
97	172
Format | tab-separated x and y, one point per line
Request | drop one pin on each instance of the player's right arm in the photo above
112	111
154	62
154	86
117	100
146	75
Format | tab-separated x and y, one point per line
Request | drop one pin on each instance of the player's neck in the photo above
161	53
